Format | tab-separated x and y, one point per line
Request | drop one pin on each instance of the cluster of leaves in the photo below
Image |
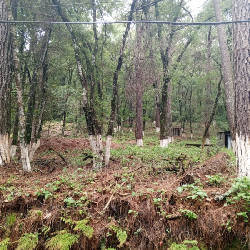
215	180
120	234
188	213
186	245
240	192
196	191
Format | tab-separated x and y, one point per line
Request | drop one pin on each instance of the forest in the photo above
124	124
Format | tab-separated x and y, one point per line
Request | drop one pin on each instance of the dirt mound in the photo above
62	144
214	165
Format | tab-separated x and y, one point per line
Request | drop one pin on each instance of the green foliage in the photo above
28	241
244	215
240	191
11	220
70	202
44	193
215	180
62	241
196	191
189	214
120	234
4	244
187	245
85	229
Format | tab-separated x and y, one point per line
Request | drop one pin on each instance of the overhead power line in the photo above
132	22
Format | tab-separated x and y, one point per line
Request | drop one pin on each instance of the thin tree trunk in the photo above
226	70
91	120
64	113
115	86
211	115
166	58
157	108
22	125
139	88
5	155
241	48
208	87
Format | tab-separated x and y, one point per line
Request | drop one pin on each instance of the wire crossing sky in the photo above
132	22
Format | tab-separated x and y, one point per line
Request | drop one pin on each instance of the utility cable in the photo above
132	22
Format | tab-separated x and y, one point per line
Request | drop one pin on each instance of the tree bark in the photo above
115	86
166	58
94	130
241	48
226	69
139	88
5	71
208	123
208	87
22	125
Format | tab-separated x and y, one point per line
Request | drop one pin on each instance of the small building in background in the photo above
224	139
177	132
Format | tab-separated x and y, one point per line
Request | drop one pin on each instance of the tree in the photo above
115	86
17	70
241	48
226	69
5	86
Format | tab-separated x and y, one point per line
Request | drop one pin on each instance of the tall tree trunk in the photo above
22	125
208	87
166	58
139	88
5	72
208	123
241	48
226	70
115	86
91	120
39	79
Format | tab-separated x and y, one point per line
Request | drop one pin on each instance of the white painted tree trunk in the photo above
107	150
25	157
97	148
164	143
139	142
243	154
157	130
22	125
207	141
32	148
5	154
13	149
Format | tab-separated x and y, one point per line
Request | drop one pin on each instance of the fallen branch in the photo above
112	197
222	197
64	160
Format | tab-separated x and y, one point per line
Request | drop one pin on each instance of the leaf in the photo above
85	229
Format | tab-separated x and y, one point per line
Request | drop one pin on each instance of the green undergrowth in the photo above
157	156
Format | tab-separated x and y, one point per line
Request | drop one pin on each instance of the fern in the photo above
29	241
62	241
86	229
4	244
120	234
